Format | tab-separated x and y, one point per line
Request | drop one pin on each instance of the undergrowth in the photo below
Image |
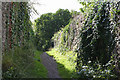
67	67
23	63
66	63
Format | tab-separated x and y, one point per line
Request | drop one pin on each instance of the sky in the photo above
46	6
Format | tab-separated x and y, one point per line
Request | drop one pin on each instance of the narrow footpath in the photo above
50	65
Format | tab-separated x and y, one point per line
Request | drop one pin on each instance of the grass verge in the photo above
66	63
38	71
23	63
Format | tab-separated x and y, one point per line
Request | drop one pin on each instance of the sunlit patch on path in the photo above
50	65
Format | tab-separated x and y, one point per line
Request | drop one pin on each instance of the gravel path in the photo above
50	65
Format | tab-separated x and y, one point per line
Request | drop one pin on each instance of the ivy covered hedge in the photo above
93	36
17	27
68	38
18	49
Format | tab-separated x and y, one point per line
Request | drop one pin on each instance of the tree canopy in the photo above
47	25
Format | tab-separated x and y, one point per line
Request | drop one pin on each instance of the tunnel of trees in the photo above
47	25
91	37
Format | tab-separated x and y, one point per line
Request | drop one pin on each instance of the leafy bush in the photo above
15	62
94	42
97	71
47	25
97	44
68	38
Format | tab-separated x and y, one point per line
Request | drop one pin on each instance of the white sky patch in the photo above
46	6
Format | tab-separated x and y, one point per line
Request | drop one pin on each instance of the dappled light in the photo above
78	45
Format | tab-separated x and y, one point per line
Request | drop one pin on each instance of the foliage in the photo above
19	49
97	43
83	44
47	25
16	62
62	35
117	31
38	70
74	13
95	33
97	70
68	38
94	39
18	27
66	64
25	63
88	7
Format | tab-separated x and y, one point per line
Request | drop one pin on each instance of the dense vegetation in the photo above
97	43
84	45
47	25
20	58
92	36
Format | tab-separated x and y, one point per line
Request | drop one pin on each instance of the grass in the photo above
39	71
24	63
66	63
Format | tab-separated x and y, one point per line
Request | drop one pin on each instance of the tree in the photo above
47	25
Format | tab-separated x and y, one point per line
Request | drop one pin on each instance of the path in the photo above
50	65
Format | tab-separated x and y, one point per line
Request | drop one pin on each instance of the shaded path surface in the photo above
50	65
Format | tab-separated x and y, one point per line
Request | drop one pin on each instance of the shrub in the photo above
15	62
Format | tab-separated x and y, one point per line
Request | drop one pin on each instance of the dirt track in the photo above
50	65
